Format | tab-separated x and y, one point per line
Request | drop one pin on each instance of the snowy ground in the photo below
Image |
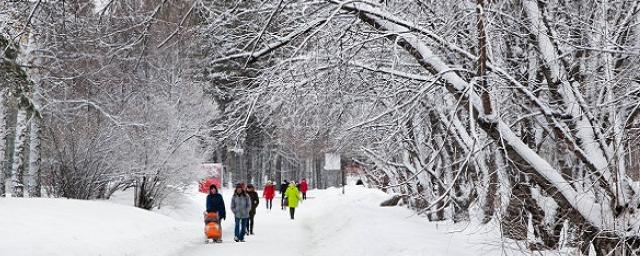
329	223
72	227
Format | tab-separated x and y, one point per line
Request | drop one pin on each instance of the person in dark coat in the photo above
283	188
215	203
255	200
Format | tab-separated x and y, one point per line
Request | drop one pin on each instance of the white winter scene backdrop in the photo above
507	127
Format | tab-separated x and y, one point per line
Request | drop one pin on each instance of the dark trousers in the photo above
241	227
282	202
269	203
251	221
304	195
292	212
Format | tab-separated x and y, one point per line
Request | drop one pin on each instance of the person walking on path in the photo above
215	204
293	197
240	206
283	188
269	193
303	188
255	200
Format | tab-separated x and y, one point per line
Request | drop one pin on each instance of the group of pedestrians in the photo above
293	194
243	205
245	201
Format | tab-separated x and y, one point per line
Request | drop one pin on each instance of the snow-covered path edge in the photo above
354	224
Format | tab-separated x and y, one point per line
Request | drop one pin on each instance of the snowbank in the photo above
38	226
183	206
329	223
355	224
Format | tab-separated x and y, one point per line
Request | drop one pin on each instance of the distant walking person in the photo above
269	193
283	188
240	206
303	188
293	196
255	200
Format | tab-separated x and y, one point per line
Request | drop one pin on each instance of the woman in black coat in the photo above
215	203
255	200
283	188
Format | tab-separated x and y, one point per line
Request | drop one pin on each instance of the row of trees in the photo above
98	98
109	95
526	110
252	140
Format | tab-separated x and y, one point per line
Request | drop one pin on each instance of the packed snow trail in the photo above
354	224
275	234
328	223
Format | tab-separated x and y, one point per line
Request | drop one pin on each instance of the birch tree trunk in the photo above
9	140
21	154
35	144
3	145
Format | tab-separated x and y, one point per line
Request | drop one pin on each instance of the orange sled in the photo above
212	228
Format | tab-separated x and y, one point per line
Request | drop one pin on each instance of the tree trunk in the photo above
492	190
144	194
278	160
232	166
318	167
3	132
11	113
514	222
34	185
21	154
35	147
249	167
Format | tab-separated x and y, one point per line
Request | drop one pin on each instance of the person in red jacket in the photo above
303	188
269	193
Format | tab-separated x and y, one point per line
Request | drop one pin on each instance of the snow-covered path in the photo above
329	223
274	232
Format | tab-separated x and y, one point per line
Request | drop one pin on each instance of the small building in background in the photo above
211	173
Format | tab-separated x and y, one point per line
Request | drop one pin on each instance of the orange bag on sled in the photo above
212	228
